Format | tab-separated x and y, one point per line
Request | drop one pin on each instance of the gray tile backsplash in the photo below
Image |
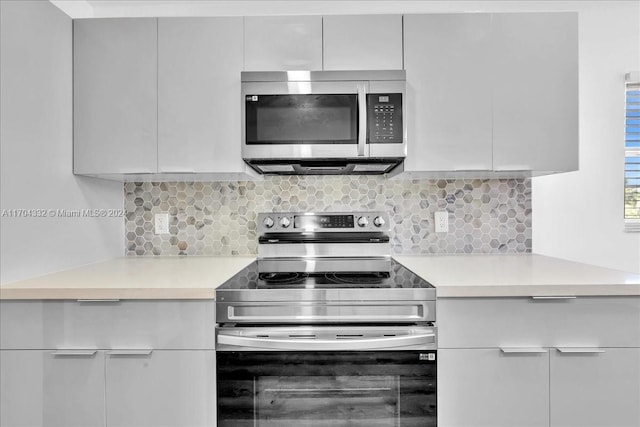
219	218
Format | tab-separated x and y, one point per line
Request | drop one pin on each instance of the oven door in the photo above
304	120
321	383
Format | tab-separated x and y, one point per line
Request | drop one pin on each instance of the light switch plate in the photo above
441	219
161	223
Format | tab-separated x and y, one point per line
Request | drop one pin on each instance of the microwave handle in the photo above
362	119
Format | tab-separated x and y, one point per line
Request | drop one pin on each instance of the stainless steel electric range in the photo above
325	329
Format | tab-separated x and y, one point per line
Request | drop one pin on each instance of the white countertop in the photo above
178	277
518	275
191	277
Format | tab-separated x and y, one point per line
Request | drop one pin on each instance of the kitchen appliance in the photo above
324	122
326	329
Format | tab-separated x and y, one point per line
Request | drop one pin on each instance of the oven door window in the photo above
368	389
301	119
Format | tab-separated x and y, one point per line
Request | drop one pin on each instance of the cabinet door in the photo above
491	388
591	389
446	58
115	95
277	43
535	91
161	388
41	388
199	65
371	42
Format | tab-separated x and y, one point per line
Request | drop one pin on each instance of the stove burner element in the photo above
275	278
357	278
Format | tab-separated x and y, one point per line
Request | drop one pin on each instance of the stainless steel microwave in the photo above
324	122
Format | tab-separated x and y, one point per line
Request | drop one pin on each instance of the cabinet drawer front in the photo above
488	387
595	389
163	388
107	324
528	322
39	388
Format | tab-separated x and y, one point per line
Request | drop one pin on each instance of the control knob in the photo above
285	222
363	221
268	222
378	221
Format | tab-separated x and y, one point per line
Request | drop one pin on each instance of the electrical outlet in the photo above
162	223
442	221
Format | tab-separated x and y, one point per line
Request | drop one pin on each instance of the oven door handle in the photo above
339	344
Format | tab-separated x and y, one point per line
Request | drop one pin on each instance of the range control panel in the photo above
384	114
322	222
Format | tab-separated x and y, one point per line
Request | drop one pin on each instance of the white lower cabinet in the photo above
595	387
77	364
160	388
488	387
586	374
52	388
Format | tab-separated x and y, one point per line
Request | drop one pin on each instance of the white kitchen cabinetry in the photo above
52	388
160	388
276	43
158	356
535	91
448	92
115	95
158	100
365	42
595	387
593	360
493	388
199	64
492	93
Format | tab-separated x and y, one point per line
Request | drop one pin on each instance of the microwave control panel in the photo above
384	113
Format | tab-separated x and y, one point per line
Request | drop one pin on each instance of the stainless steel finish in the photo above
580	350
289	156
379	221
314	306
362	119
322	76
523	350
285	222
74	353
552	297
363	221
311	265
326	338
370	215
268	222
321	250
130	352
99	300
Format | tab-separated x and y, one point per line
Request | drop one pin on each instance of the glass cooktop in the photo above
397	276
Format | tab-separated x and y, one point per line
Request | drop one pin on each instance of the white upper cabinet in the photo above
275	43
115	95
199	64
158	99
368	42
492	92
535	91
448	92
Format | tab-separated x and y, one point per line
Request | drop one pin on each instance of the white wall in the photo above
576	216
36	149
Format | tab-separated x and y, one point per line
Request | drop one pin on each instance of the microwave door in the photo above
304	120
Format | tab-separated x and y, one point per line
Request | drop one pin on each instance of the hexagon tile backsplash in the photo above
219	218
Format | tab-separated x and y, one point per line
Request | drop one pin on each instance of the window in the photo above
632	153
